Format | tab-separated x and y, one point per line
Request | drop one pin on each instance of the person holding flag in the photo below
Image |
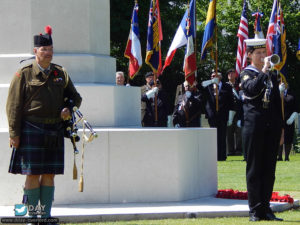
211	89
133	47
153	51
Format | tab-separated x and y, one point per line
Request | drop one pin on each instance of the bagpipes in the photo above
70	132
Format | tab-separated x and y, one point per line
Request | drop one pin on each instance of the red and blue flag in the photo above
154	38
133	47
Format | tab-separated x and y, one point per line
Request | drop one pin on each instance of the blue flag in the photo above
209	28
279	41
154	37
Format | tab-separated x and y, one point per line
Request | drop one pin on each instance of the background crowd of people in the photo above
193	101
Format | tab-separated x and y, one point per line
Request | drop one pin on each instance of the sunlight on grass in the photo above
232	175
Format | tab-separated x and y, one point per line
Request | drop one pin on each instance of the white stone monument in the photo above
127	163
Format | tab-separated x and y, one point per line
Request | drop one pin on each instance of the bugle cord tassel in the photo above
80	188
80	184
74	169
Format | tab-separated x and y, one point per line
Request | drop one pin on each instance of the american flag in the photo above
272	28
241	57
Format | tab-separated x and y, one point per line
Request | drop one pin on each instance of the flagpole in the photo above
155	84
282	100
216	70
155	101
195	46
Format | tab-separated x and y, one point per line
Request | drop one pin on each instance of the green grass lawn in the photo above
231	175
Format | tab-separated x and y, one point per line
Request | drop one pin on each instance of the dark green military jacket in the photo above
33	94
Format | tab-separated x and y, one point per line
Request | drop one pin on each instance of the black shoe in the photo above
287	159
253	217
279	159
271	216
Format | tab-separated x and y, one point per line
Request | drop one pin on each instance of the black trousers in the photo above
221	137
261	144
234	137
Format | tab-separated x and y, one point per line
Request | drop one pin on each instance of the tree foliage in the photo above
228	18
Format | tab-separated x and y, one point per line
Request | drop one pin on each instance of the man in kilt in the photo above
35	110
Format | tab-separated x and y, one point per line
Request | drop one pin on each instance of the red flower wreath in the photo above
243	195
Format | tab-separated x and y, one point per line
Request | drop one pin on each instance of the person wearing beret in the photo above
35	110
262	128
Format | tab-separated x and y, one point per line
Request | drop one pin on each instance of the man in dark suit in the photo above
234	136
219	101
163	106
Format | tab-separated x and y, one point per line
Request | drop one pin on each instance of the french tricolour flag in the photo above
133	48
184	36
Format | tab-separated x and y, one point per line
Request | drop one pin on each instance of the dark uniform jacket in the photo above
261	135
237	103
162	110
290	106
187	112
225	98
253	84
34	95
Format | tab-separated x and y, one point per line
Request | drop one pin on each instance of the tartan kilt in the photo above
41	150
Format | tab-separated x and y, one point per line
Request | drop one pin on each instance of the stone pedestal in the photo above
122	165
131	165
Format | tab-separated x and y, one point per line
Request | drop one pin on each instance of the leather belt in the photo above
45	120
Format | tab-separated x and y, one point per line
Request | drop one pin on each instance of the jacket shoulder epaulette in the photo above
57	66
26	67
22	69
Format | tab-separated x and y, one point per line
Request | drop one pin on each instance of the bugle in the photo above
274	60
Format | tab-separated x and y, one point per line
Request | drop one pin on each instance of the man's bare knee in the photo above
47	179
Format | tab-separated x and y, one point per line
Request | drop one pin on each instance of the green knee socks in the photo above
32	199
46	198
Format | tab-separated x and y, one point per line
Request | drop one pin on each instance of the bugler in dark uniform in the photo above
35	111
262	128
